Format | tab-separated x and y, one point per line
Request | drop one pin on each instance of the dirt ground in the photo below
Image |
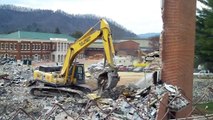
125	77
129	77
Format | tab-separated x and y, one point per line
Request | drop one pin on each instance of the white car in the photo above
203	73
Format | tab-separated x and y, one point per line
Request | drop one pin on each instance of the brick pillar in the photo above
178	45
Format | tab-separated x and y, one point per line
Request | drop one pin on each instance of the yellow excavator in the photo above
70	78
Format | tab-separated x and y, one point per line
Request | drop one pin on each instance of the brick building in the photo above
34	45
52	47
122	47
127	47
95	49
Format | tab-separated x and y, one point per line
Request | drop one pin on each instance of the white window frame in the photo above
6	46
14	46
39	46
28	46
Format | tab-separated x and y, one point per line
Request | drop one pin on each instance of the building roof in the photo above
95	45
36	35
142	43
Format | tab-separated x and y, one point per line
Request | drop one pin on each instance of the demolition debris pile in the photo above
202	90
16	73
123	102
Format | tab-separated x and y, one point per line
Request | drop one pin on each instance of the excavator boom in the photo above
88	38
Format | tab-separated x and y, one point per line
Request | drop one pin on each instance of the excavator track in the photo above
44	89
51	92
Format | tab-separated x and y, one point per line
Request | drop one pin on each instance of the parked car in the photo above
130	68
122	68
203	74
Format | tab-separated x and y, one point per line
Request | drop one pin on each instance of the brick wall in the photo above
178	45
24	49
130	47
162	110
127	45
94	51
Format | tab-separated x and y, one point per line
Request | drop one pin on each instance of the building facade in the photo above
26	49
126	47
61	46
35	46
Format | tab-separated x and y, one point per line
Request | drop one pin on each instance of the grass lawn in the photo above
208	106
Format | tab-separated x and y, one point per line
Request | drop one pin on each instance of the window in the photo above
33	46
46	47
43	46
22	46
80	70
2	45
11	46
6	46
47	57
28	47
25	46
14	46
53	46
36	46
62	46
39	57
59	47
39	46
65	46
58	58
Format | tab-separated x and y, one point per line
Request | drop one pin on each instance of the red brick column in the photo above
178	45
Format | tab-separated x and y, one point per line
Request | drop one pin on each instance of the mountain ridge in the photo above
15	18
148	35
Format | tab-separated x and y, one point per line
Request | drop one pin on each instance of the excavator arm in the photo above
88	38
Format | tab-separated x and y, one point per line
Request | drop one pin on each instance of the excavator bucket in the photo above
108	79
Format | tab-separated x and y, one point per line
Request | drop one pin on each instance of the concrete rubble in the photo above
202	90
123	102
151	66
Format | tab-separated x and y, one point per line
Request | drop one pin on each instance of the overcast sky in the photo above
138	16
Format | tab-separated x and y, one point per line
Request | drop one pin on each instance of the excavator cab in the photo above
77	74
46	74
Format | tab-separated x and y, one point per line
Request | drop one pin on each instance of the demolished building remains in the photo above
123	102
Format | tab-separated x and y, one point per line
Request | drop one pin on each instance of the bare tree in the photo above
154	43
